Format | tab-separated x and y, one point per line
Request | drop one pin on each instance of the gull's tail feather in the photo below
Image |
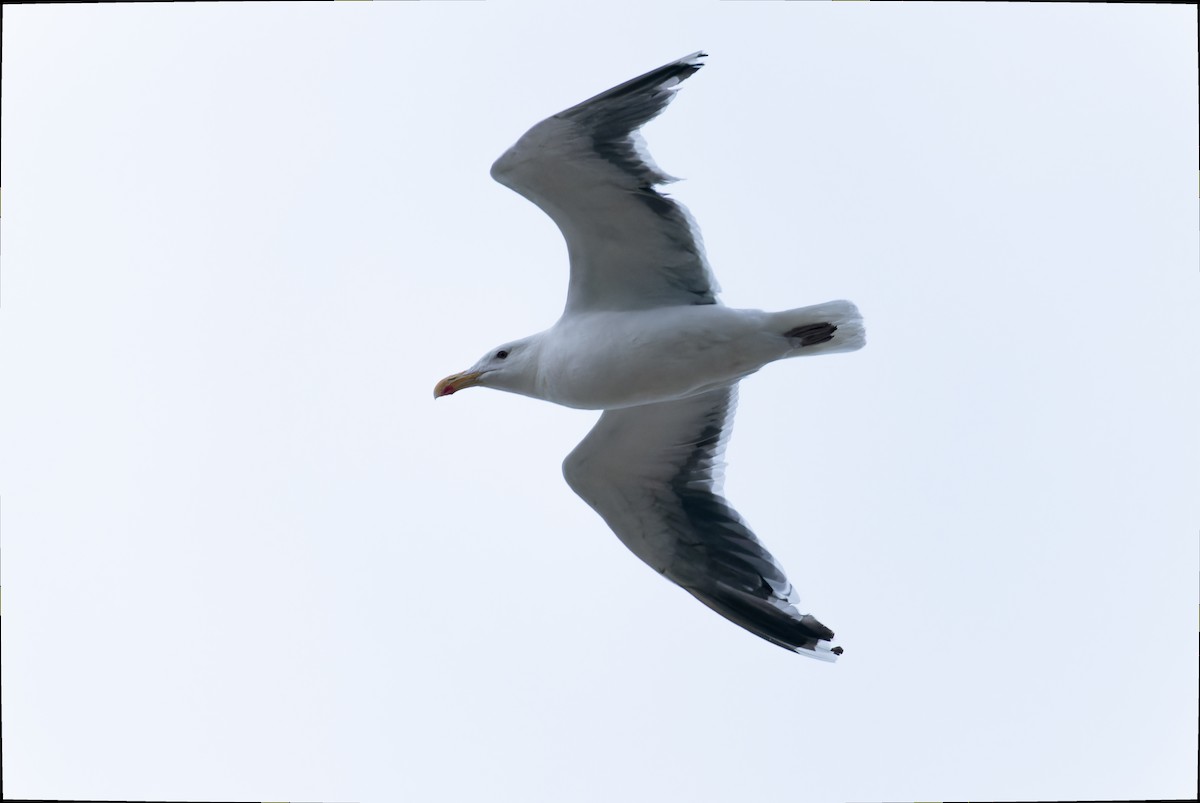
822	328
780	624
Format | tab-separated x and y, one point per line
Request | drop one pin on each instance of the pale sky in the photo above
247	556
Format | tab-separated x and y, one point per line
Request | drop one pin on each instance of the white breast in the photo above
609	360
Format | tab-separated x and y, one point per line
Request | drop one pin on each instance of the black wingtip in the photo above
679	70
767	621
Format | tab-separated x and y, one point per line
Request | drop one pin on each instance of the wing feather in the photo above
653	473
630	246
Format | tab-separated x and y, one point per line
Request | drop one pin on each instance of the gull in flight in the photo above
644	338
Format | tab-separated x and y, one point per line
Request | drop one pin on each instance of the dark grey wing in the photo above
630	246
654	474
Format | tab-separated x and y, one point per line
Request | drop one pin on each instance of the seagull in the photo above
643	337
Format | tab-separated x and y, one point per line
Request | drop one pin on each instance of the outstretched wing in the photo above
654	474
630	246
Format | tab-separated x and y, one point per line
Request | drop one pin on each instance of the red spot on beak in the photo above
446	391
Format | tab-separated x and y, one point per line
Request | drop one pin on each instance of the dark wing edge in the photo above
653	473
614	116
587	167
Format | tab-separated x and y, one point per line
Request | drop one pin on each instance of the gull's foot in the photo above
812	334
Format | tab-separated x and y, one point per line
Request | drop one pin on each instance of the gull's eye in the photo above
501	354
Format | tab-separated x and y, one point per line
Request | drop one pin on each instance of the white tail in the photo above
822	328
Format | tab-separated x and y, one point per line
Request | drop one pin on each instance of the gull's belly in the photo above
607	360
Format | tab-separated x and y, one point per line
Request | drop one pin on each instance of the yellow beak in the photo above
455	383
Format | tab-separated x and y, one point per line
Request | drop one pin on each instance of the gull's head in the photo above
511	366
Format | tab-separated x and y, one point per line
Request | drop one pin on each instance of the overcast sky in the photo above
247	556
